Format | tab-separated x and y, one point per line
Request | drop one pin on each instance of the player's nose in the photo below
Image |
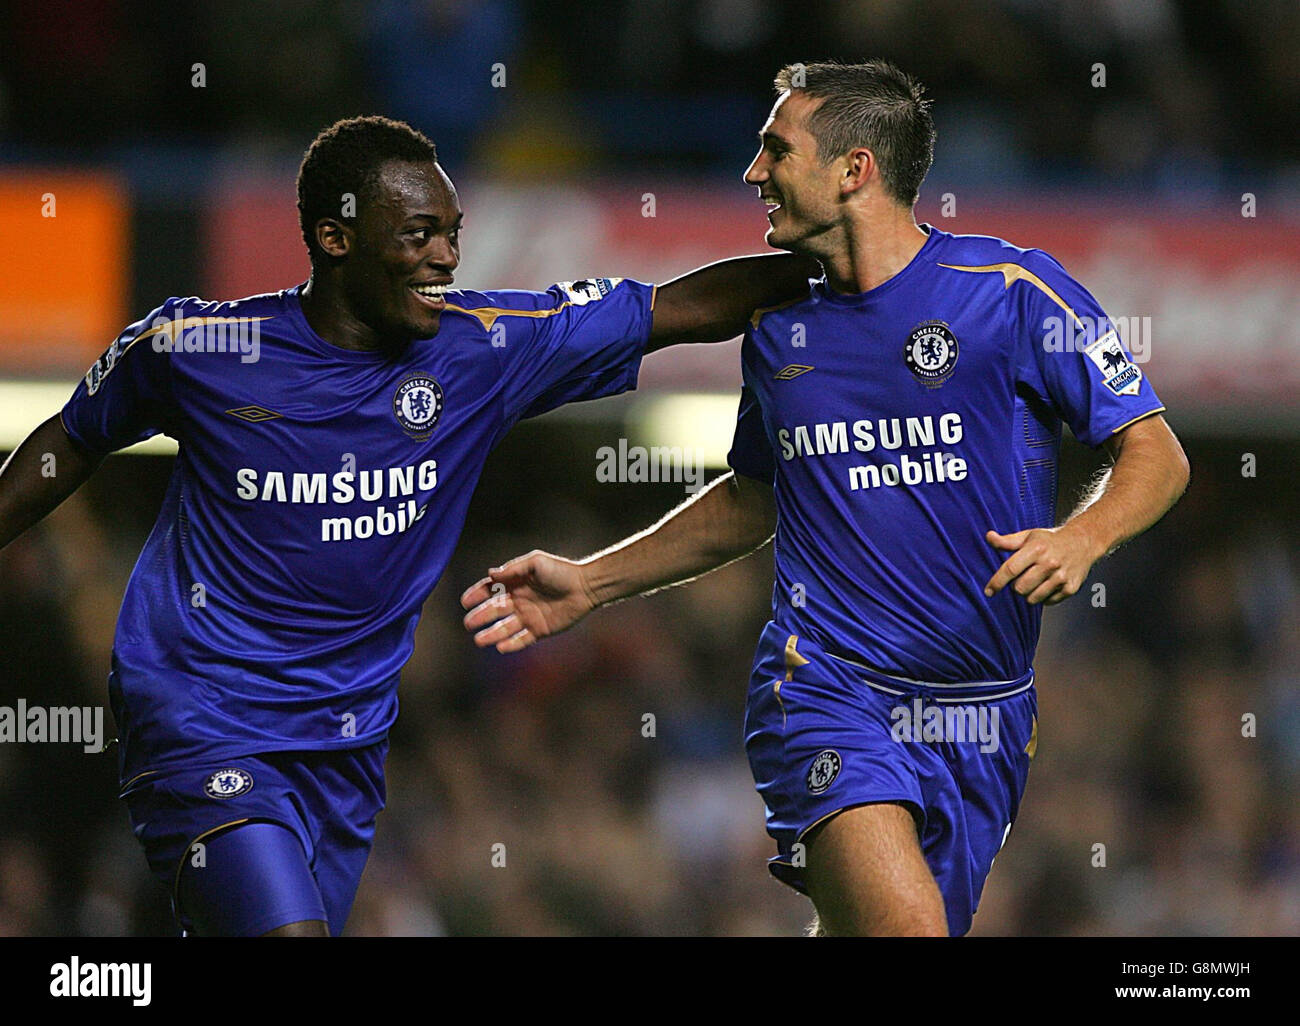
443	257
756	173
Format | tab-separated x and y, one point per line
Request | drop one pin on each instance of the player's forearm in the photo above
714	303
43	471
1150	474
729	519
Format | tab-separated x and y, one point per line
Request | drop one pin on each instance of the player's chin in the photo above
424	325
422	317
783	237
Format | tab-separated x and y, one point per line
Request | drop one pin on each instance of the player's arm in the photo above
43	471
1148	476
537	595
714	303
124	398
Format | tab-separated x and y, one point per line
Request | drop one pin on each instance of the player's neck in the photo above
873	250
328	315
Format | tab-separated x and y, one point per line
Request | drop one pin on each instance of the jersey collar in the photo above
924	256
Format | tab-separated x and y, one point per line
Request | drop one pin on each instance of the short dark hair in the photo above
873	104
346	157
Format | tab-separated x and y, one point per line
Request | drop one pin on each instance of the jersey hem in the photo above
246	751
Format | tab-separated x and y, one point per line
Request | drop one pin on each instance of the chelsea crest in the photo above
417	404
931	353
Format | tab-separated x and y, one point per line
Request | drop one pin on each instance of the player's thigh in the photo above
306	928
343	794
253	879
867	875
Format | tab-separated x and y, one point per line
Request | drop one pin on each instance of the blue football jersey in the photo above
316	498
900	424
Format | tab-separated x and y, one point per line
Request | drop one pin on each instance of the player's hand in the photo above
527	599
1047	564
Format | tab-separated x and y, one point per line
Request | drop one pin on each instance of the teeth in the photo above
432	291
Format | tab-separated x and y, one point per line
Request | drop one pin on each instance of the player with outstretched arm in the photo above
905	455
331	436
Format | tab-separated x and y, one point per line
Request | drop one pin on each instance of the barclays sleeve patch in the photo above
588	290
1120	374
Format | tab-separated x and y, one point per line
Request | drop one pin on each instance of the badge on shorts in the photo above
931	353
228	783
823	771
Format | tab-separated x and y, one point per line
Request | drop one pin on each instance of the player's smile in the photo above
431	294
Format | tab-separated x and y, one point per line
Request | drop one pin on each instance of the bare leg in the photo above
868	878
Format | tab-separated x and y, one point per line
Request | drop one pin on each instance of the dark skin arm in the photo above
714	303
32	485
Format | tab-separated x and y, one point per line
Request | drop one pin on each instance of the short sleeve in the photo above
576	341
126	396
751	452
1071	354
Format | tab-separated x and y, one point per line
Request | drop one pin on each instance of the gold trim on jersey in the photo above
176	326
1014	272
487	315
1140	416
757	315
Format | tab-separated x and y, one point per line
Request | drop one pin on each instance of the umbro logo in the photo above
792	370
253	414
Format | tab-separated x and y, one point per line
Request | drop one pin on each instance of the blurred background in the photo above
1153	148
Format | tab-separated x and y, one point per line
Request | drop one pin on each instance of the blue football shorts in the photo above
824	734
250	844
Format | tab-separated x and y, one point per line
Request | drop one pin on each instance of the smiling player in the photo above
331	436
911	438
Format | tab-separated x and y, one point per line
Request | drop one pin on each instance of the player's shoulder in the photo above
475	310
988	253
487	307
563	293
197	310
765	317
189	324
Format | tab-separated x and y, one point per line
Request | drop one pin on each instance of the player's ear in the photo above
333	237
858	165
